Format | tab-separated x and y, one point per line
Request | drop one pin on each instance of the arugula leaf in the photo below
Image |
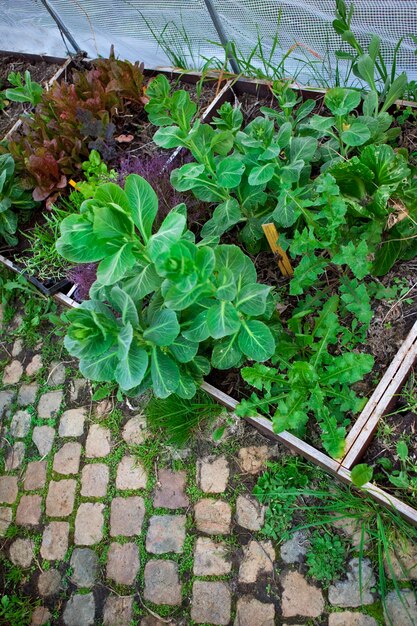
356	299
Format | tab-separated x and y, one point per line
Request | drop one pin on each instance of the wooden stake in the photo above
272	236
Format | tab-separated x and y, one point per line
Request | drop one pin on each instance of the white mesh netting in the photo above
186	26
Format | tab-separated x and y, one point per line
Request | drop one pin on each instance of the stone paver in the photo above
27	394
126	516
89	524
250	513
103	408
56	374
134	431
6	516
253	459
15	456
123	563
49	404
35	476
49	582
55	541
299	598
249	611
67	459
28	512
348	618
347	592
213	474
40	616
213	517
71	423
258	558
170	490
351	527
34	366
76	388
94	480
6	397
118	611
84	564
21	552
401	611
12	373
211	603
403	562
43	438
98	442
17	347
130	474
20	424
295	549
211	558
162	584
8	489
60	498
80	610
166	534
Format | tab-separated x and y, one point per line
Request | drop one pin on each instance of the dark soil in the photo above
40	72
134	121
251	105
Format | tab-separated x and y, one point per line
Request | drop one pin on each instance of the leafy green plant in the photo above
403	479
260	174
193	292
13	199
95	173
179	418
308	379
326	556
24	88
290	473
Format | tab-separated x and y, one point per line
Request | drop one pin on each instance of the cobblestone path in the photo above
111	527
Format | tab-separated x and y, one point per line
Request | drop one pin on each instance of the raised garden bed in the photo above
382	396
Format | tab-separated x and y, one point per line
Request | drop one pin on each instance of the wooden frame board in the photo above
381	400
316	456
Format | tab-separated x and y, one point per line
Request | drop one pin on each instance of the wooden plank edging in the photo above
381	400
316	456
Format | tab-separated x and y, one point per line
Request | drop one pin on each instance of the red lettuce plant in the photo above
72	119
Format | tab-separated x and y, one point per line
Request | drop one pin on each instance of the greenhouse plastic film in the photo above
304	26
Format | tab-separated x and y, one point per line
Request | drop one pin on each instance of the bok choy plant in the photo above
160	299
